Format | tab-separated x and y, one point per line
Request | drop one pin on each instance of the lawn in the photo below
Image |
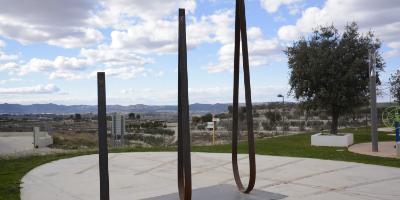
13	169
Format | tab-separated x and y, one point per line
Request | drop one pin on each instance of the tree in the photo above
131	115
273	117
77	117
207	117
137	116
196	120
395	86
330	71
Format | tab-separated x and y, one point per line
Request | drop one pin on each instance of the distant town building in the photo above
118	128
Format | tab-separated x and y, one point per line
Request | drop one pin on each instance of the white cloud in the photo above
142	37
272	6
8	57
145	39
9	66
288	32
2	82
61	23
60	63
39	89
122	72
261	50
379	16
119	13
88	36
67	75
122	63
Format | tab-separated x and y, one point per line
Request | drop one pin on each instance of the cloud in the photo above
261	50
6	57
60	63
39	89
119	13
122	72
272	6
122	63
9	66
142	37
61	23
378	16
9	80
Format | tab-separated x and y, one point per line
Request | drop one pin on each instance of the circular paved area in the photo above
146	175
386	149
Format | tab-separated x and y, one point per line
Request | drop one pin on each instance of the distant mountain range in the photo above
138	108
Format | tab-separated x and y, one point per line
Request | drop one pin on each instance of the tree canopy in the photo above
330	71
395	86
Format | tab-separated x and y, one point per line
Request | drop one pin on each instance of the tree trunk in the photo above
334	125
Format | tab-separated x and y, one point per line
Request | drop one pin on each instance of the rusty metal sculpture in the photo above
184	162
103	149
241	33
184	146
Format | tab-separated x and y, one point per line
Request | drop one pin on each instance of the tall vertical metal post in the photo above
214	129
283	113
372	89
184	162
397	129
241	35
103	148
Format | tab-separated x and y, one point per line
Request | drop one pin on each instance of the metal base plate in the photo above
224	192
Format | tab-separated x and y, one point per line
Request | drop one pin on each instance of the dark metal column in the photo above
241	33
184	163
103	149
372	91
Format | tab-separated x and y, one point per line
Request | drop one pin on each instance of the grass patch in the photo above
300	146
13	169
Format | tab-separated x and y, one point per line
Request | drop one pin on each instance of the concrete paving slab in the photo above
386	149
149	175
224	192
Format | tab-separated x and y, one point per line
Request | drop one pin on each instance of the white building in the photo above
118	128
211	125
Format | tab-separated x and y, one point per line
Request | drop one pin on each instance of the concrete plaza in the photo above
386	149
149	175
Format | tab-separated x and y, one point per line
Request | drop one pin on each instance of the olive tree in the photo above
329	71
395	86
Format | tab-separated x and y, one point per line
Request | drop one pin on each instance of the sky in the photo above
50	50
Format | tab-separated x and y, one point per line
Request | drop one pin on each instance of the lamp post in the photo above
372	90
283	112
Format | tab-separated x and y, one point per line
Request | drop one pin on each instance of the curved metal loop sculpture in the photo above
241	33
184	163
